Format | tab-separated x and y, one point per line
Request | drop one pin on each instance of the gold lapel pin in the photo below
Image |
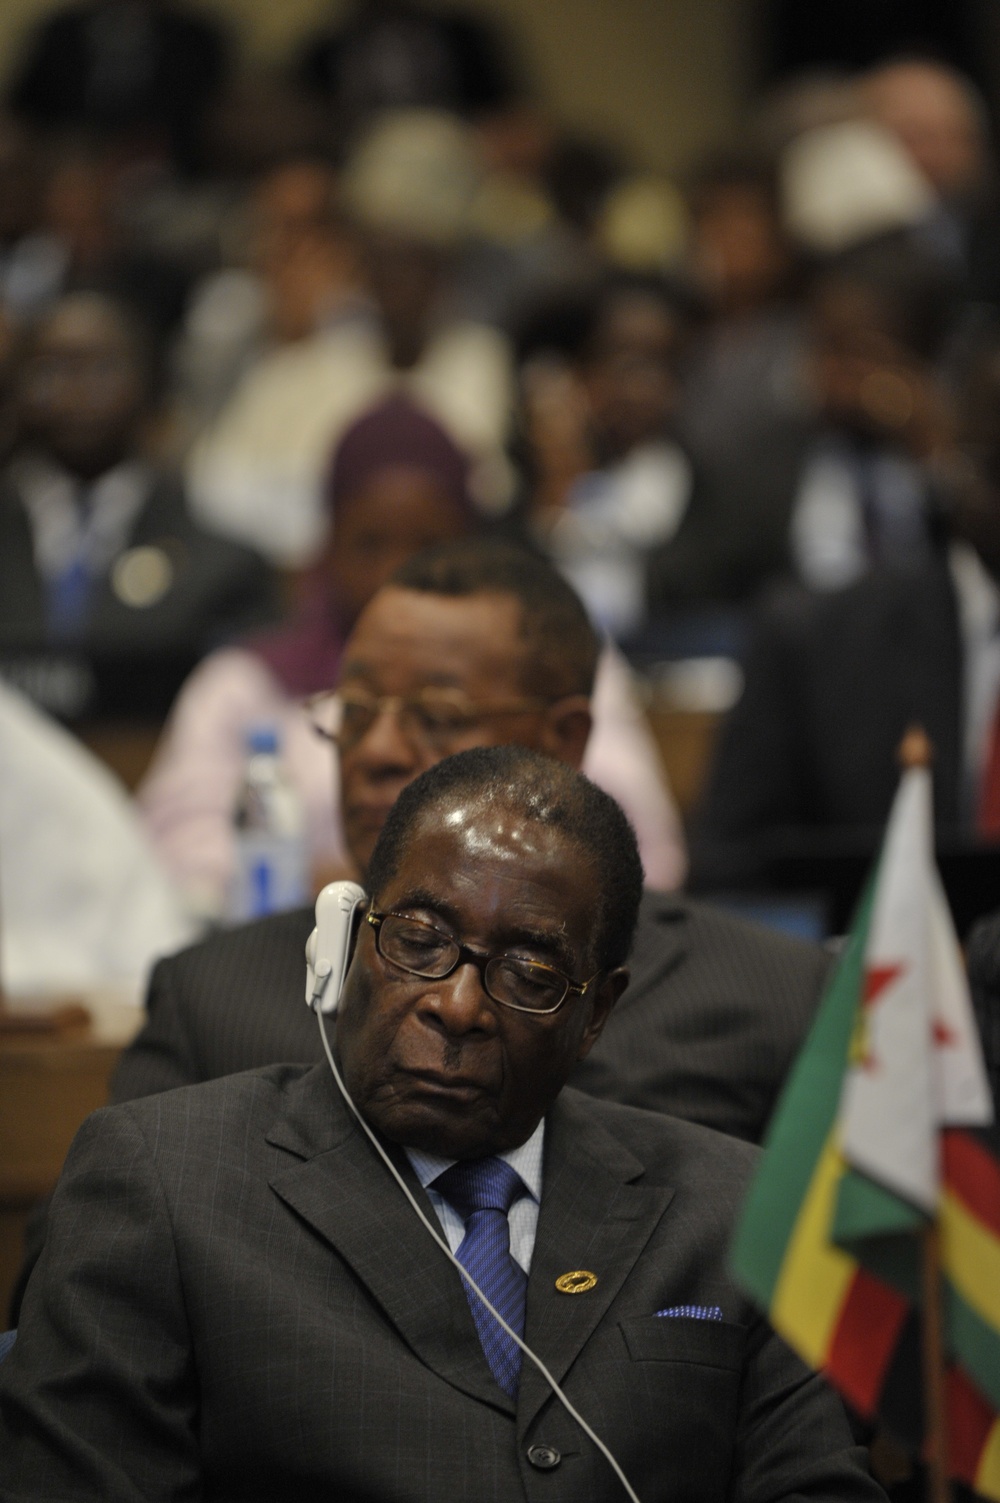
577	1282
142	576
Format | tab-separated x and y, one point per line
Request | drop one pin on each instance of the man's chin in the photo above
453	1126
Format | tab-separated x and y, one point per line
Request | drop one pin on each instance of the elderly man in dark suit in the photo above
236	1301
716	1008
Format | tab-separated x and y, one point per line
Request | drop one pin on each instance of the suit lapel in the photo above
595	1215
339	1186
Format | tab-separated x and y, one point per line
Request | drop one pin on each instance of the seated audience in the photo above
237	1300
82	898
608	480
850	485
256	472
743	370
880	316
109	592
397	484
741	405
79	243
833	680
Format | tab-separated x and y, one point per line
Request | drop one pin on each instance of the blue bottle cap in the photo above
262	740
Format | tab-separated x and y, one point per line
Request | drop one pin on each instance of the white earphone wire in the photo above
439	1239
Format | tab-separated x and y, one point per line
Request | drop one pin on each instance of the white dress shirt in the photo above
523	1215
979	621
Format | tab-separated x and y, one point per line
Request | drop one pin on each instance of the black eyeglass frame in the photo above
482	963
468	712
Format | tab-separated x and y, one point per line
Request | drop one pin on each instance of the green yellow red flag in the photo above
877	1132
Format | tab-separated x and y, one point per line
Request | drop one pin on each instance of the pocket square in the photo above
694	1312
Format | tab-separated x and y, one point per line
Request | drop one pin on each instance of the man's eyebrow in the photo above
423	897
433	678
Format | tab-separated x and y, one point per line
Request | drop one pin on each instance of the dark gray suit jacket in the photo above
711	1020
831	684
236	1303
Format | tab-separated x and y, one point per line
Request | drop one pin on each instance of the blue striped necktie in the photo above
482	1191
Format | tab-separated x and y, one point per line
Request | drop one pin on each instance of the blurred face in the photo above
82	388
934	118
292	204
629	379
398	511
406	641
438	1065
854	356
739	253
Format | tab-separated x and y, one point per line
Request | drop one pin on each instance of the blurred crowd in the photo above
260	346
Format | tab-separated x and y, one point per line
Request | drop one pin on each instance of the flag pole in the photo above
932	1343
916	751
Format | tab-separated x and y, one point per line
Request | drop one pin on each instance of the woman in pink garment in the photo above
398	483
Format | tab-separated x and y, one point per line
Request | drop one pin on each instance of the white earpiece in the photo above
328	948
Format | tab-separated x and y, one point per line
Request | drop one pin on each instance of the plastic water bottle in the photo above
272	868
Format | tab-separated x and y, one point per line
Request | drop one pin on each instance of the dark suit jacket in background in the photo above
235	1294
832	683
62	80
129	661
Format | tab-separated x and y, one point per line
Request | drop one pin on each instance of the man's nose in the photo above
458	1004
385	746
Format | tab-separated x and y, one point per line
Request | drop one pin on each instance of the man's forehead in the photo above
486	860
417	636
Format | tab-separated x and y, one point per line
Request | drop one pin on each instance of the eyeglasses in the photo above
431	718
422	950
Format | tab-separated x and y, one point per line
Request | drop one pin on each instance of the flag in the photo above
879	1131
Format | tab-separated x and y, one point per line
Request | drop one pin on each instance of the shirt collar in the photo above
525	1160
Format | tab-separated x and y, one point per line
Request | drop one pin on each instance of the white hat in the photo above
415	172
846	182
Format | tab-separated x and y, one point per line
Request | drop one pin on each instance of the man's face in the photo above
406	641
397	512
630	378
82	389
438	1065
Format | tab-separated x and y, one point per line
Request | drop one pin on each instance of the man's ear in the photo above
565	729
609	990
